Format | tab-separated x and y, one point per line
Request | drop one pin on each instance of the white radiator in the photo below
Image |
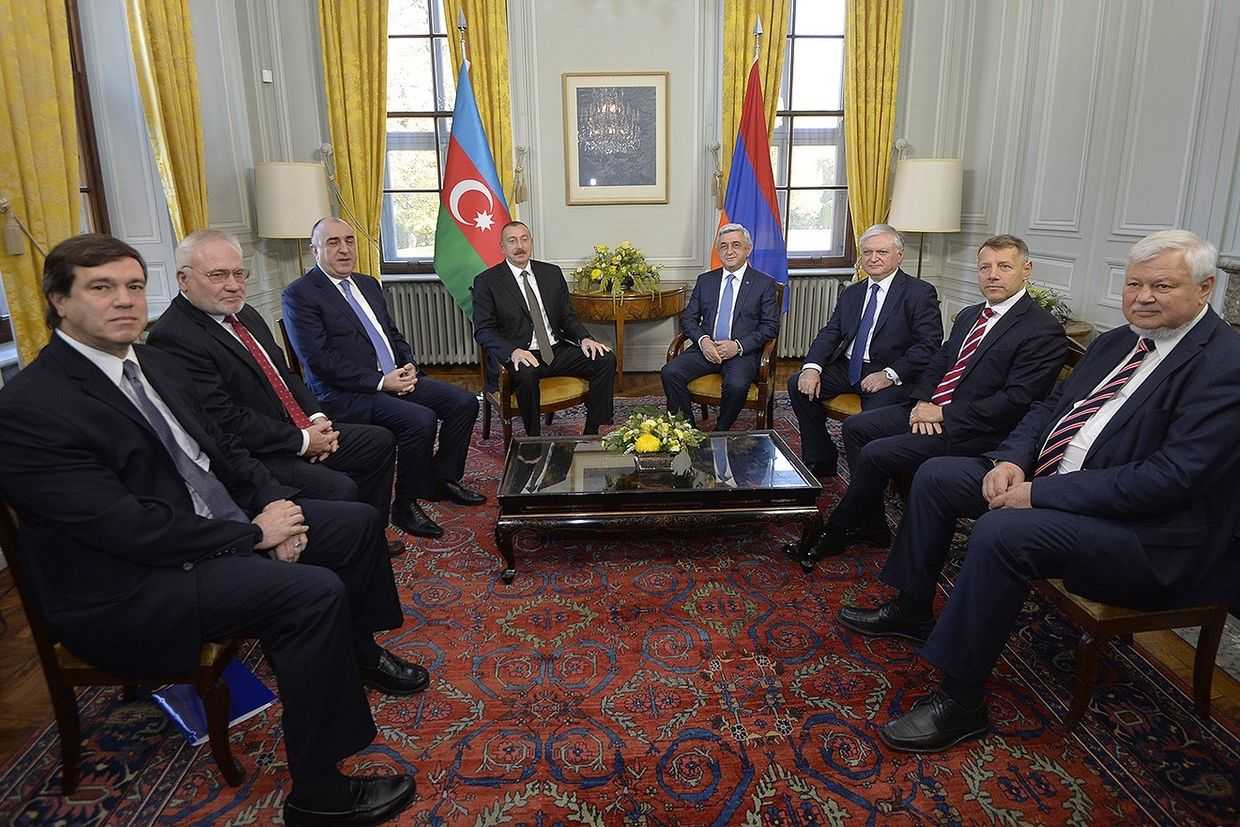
438	330
809	307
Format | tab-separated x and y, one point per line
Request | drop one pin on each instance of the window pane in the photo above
409	76
411	148
782	197
445	95
438	24
408	17
817	222
408	227
817	152
820	17
779	151
818	74
445	135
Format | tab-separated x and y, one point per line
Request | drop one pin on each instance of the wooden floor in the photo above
25	708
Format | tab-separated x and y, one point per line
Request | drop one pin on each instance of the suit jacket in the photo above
1014	366
1165	465
337	358
502	322
108	527
234	390
907	332
755	318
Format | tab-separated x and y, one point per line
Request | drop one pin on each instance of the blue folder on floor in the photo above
247	696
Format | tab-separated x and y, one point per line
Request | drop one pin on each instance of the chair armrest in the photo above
677	345
767	360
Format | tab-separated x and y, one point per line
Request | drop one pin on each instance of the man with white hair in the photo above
1123	483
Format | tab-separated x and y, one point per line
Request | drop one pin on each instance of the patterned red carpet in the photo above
672	681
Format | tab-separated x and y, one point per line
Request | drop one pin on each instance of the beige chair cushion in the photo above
843	406
712	385
556	389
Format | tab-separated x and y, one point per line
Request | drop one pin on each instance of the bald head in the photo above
334	247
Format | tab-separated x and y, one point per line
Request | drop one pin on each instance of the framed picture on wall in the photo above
615	138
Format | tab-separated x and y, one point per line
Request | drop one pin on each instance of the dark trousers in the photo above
569	360
1097	558
816	445
879	446
360	469
315	620
736	376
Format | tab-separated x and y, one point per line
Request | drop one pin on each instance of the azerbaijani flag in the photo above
472	207
750	199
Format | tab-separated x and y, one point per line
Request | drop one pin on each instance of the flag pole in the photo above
757	37
460	28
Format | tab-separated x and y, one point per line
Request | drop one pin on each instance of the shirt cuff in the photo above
317	415
740	349
812	366
379	387
305	442
699	341
893	376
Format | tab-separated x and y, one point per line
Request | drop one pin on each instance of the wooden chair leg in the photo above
216	702
507	424
1086	676
64	702
1203	665
486	417
705	412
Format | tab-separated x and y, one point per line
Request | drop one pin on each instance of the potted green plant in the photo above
1051	301
614	272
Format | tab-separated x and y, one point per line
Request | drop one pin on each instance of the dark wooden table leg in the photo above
618	325
503	541
802	550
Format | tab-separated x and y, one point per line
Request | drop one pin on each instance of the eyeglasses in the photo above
221	276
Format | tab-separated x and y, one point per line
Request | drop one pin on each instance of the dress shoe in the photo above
457	493
396	548
888	620
934	724
395	676
835	539
410	518
823	470
373	799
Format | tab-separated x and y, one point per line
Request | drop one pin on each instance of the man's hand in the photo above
281	520
401	381
1018	496
1001	479
521	357
727	348
809	382
323	440
593	349
709	350
290	550
926	418
875	382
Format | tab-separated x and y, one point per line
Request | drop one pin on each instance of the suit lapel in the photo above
892	301
95	383
1002	325
336	299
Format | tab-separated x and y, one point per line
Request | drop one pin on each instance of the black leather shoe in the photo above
934	724
888	620
823	470
409	517
374	799
457	493
395	676
835	539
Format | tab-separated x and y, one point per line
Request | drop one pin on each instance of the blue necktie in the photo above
863	333
723	322
386	363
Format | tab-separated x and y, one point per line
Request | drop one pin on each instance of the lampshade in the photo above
291	197
926	196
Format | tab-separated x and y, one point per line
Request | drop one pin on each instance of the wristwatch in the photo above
893	376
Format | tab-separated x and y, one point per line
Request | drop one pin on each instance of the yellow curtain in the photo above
871	70
163	54
487	44
38	151
738	20
354	40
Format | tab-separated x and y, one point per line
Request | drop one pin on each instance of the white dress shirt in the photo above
998	310
1074	455
542	305
370	314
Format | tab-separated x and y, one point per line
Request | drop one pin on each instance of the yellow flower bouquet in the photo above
615	271
650	430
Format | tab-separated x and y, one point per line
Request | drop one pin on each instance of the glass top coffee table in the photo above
554	484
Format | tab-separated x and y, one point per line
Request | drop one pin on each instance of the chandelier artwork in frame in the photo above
615	138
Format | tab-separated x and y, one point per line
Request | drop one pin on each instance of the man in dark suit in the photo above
1001	357
522	315
1124	483
358	363
730	317
879	339
148	531
247	388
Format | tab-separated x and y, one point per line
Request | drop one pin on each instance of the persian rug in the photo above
687	680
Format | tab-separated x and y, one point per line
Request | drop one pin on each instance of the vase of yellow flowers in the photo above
653	437
616	271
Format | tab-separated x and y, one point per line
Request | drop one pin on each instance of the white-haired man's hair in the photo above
189	244
1200	256
736	228
882	229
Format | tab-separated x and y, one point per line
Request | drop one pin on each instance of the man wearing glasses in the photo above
247	388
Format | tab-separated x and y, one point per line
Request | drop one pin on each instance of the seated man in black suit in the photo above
358	363
246	386
730	317
148	531
877	342
522	314
1002	356
1124	483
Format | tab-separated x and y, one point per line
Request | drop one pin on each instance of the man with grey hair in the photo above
729	318
879	339
1123	482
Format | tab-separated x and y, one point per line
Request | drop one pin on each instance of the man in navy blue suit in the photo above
359	365
1002	356
1123	483
730	317
877	342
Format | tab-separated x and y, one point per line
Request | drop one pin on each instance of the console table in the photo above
630	307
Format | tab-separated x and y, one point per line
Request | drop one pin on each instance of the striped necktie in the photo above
947	386
1072	422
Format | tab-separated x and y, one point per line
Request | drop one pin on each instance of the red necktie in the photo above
294	410
943	393
1072	422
